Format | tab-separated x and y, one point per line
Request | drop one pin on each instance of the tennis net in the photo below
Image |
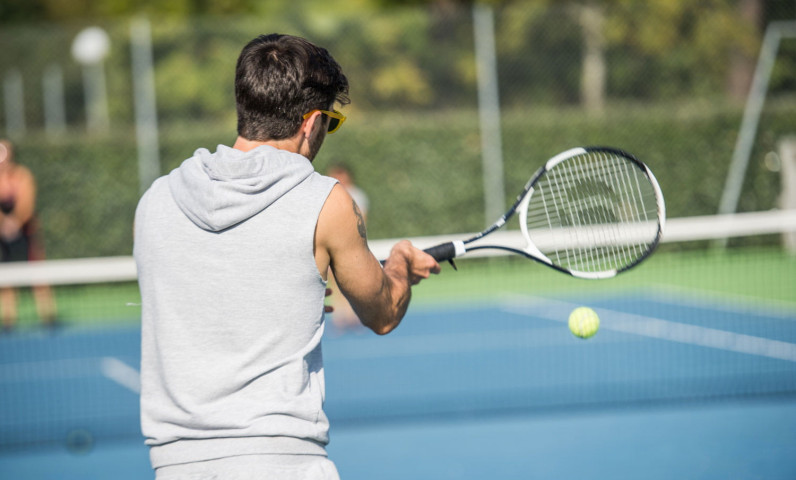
693	323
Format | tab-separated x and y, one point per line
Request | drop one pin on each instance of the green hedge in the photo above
422	171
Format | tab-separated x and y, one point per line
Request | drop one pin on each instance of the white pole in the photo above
146	119
14	100
489	112
89	49
593	72
97	120
54	110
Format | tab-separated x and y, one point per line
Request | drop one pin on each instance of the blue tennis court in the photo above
673	386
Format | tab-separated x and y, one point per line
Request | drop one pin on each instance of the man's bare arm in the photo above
379	296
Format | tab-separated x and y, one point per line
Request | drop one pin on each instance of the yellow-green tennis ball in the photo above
584	322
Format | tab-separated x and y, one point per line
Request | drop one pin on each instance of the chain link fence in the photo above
566	76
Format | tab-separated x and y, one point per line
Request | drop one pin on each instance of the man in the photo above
232	250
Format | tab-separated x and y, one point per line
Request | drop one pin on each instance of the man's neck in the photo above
288	144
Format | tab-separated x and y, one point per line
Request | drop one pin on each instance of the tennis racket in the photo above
591	212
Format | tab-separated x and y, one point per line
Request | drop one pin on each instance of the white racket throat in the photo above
530	248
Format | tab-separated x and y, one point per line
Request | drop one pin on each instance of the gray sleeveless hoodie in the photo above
232	313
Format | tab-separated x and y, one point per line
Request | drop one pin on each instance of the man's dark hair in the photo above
278	79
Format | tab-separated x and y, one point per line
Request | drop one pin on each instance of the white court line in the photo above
658	328
731	303
121	373
110	367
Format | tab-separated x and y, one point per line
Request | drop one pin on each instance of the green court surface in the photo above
764	274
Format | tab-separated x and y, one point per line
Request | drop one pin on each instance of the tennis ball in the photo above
584	322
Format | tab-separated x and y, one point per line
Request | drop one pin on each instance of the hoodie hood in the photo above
219	190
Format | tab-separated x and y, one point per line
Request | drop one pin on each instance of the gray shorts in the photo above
250	467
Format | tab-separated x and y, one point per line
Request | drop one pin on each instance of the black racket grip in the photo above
442	252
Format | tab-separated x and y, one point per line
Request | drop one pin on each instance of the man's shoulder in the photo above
155	190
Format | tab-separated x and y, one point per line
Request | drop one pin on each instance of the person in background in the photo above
344	318
342	173
232	249
19	241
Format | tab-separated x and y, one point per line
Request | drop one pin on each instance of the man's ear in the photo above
311	123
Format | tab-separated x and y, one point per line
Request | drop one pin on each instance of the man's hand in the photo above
10	228
413	264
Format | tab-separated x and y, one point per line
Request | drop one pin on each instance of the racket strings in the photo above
623	180
594	212
621	184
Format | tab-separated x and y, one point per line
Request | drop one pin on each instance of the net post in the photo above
787	199
751	116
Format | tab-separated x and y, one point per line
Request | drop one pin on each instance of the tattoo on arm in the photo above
360	222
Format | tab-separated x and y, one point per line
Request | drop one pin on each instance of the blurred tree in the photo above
742	60
15	11
688	44
693	41
21	11
578	51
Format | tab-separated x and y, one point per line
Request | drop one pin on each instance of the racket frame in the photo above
450	250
